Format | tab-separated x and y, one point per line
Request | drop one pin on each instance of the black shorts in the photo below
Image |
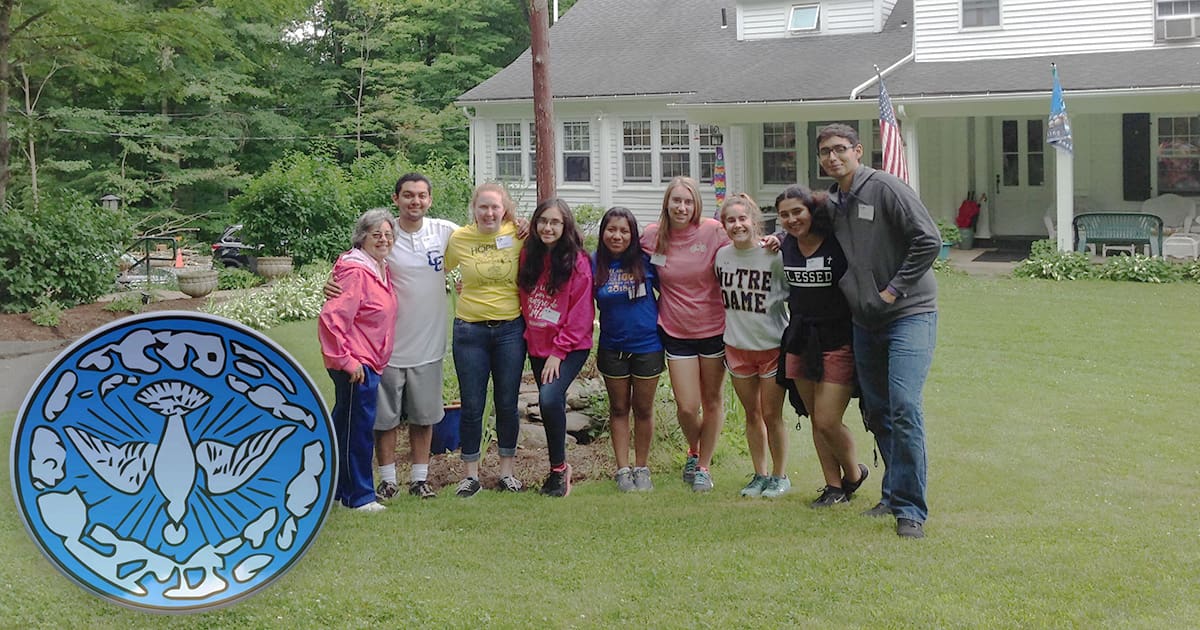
617	364
707	347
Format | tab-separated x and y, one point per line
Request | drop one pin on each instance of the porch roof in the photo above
1160	68
677	48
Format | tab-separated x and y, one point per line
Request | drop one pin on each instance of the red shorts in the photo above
751	363
839	366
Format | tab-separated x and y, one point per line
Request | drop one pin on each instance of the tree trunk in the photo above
543	100
30	152
6	8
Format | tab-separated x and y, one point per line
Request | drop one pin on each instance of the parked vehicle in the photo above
230	251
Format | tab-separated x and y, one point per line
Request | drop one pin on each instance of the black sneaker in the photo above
557	484
385	490
421	489
468	487
908	528
850	486
830	496
879	510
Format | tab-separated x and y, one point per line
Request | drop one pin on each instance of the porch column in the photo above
1064	191
911	152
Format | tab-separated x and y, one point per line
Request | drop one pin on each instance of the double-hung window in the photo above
577	152
779	153
1178	152
509	152
654	151
977	13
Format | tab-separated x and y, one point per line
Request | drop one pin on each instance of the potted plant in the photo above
197	282
950	236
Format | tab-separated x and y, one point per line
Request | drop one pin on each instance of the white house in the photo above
647	89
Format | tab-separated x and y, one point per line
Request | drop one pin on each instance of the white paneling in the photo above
848	16
1033	28
765	20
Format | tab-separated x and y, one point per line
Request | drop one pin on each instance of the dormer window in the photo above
977	13
803	17
1177	19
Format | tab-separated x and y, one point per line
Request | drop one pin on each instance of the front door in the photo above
1023	181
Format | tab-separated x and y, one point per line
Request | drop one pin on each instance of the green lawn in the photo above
1063	492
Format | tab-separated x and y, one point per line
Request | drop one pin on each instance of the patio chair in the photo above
1179	219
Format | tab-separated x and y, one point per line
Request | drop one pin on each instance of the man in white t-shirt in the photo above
410	389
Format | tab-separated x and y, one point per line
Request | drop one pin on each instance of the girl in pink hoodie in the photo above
356	330
555	285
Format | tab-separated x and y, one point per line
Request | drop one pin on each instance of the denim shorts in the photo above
617	364
708	347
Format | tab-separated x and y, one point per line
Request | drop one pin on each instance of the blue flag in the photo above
1059	133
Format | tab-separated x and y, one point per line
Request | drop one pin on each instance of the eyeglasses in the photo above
839	149
550	222
383	236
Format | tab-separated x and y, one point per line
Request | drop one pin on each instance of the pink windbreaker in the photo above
358	327
558	324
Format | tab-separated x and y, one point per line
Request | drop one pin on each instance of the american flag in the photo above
889	132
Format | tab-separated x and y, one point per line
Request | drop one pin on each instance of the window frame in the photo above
669	137
793	149
504	147
1184	147
816	18
963	11
575	152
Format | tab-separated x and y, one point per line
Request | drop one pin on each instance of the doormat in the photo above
1002	255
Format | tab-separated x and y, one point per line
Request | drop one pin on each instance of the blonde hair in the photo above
752	211
664	218
510	206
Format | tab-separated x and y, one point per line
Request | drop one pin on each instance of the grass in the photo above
1062	487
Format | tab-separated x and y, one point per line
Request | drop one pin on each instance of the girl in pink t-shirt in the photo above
691	320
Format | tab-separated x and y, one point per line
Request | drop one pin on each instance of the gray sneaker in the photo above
624	478
703	481
641	480
689	469
776	486
755	487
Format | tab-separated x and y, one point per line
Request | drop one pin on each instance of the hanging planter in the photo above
197	283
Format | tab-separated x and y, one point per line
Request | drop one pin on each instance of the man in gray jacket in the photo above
890	243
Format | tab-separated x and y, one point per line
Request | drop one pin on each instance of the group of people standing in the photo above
842	300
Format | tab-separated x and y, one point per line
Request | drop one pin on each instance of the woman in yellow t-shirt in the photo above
489	332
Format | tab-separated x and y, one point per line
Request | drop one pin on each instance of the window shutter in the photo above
1135	156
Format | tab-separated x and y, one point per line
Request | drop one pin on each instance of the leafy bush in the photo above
944	267
295	297
229	278
125	303
372	180
1139	268
1191	271
949	232
65	251
46	313
299	207
1045	261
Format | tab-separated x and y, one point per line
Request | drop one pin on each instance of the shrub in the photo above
125	303
229	278
372	180
1191	271
1139	268
46	313
949	232
66	251
1046	262
944	267
299	207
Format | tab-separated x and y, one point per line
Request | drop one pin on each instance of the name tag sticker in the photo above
658	259
637	292
504	242
815	263
551	315
865	212
430	242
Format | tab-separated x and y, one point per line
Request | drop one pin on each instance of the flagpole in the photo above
1064	167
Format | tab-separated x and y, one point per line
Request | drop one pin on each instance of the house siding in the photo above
769	20
1031	28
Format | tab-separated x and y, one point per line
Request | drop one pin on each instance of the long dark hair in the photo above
562	257
818	203
630	259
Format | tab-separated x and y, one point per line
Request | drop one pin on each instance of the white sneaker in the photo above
373	506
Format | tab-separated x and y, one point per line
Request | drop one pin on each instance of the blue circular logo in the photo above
173	462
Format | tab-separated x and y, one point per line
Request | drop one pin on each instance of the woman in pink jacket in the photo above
555	284
356	330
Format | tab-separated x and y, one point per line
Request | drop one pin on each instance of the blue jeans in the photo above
354	425
552	401
892	364
485	350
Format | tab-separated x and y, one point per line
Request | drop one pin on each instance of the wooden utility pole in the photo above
543	99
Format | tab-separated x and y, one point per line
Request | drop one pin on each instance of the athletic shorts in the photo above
412	395
839	366
676	348
617	364
751	363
